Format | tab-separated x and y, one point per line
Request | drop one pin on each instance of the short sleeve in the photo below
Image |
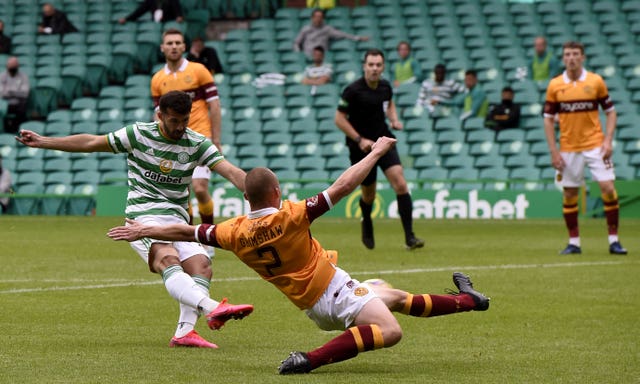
346	100
121	141
551	102
207	84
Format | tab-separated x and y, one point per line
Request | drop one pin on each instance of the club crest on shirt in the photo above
183	157
188	79
166	166
588	89
559	177
312	201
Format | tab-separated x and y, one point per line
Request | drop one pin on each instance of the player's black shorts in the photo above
389	159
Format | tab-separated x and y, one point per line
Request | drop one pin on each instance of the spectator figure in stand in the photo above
406	69
14	87
207	56
504	115
54	21
318	73
318	34
543	66
5	186
5	41
161	11
439	89
473	102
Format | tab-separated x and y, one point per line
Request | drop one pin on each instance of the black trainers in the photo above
297	362
573	250
367	234
465	285
616	249
414	243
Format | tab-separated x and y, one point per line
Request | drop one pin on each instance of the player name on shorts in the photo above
162	178
261	236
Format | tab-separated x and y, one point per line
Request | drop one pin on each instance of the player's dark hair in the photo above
471	72
440	66
573	45
373	52
172	31
403	43
318	48
177	101
317	10
507	89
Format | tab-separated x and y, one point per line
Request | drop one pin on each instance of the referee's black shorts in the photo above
389	159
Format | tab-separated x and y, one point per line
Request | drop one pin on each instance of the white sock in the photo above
189	315
182	287
574	241
613	239
187	320
203	284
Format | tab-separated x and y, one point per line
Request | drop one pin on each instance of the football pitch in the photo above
76	307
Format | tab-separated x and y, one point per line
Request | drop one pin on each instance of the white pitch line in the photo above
367	273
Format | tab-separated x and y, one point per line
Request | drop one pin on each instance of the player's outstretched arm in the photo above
354	175
232	173
74	143
135	231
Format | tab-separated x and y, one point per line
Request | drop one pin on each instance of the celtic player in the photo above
161	158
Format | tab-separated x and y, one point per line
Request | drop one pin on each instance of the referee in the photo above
361	116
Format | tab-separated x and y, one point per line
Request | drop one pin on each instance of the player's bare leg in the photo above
395	175
612	213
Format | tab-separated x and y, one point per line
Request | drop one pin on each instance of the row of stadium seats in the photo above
292	131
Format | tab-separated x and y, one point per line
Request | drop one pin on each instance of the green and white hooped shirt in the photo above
160	169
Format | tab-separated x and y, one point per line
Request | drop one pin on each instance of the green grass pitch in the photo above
76	307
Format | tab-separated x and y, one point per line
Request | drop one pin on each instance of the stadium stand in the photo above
101	75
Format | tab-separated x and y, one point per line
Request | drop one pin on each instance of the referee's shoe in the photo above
413	243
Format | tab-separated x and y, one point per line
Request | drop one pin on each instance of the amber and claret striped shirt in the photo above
277	244
197	81
576	103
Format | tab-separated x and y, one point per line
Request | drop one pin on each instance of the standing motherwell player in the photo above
274	239
361	116
179	74
574	96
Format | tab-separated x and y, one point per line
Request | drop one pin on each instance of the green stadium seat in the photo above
124	57
96	76
482	148
82	205
522	159
490	160
29	164
86	164
57	165
450	136
27	205
113	164
51	205
309	163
